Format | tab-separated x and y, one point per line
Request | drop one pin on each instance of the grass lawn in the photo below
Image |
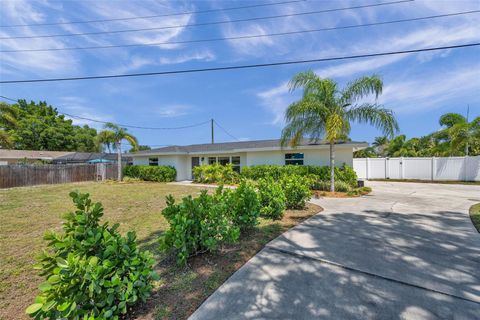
26	213
475	215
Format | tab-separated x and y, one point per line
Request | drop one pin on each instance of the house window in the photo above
223	160
212	160
236	163
294	158
153	161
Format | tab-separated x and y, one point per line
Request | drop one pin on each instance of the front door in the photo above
195	163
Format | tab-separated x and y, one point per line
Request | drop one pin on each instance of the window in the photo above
212	160
223	160
153	161
294	158
236	163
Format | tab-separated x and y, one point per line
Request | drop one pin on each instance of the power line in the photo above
151	16
247	36
224	130
123	125
246	66
205	23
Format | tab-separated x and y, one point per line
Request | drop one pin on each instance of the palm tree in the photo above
114	136
325	111
380	144
8	121
459	133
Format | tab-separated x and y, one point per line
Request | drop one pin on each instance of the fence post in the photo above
465	164
402	170
434	168
366	168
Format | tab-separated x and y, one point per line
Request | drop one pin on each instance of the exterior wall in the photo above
180	163
318	157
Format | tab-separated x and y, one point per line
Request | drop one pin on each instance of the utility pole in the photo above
468	132
213	140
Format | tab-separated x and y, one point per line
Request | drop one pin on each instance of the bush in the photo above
151	173
91	270
215	173
340	186
344	173
297	191
197	225
272	199
243	204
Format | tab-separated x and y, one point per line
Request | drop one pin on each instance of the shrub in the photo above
151	173
340	186
297	191
344	173
215	173
243	204
197	225
272	199
91	270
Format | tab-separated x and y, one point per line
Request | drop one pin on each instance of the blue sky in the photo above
248	103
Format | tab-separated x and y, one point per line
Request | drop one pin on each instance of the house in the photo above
8	156
246	153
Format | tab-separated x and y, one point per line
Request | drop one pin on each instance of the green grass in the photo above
429	181
475	215
26	213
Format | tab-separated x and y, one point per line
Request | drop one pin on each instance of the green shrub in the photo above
197	225
151	173
215	173
297	191
344	173
243	204
272	199
91	270
340	186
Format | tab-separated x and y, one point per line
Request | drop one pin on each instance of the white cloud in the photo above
172	111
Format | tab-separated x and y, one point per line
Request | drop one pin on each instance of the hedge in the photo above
151	173
321	173
215	173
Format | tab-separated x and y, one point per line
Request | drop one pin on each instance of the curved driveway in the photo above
407	251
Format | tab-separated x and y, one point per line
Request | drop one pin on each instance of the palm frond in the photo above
361	88
375	115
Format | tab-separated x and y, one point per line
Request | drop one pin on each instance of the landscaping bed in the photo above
27	213
475	215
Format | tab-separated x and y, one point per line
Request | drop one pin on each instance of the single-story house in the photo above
246	153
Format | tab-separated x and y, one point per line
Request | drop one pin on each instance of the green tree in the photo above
8	122
462	136
326	111
116	134
140	148
39	126
380	144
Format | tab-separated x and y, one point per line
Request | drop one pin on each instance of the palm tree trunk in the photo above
119	160
332	166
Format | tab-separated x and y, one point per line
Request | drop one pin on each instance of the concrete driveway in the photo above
407	251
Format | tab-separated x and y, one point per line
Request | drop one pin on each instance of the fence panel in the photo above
30	175
451	168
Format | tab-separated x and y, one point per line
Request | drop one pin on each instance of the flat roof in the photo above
241	146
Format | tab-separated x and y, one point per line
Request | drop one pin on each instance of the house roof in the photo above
31	154
85	156
228	147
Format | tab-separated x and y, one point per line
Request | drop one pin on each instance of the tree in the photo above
116	134
380	143
140	148
463	137
39	126
8	122
325	111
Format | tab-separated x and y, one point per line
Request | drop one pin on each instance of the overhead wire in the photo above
151	16
245	66
205	23
224	130
246	36
120	124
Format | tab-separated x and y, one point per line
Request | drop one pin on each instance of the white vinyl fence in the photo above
451	168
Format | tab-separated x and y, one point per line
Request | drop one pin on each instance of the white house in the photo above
246	153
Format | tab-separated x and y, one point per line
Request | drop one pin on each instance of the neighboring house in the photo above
246	153
8	156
